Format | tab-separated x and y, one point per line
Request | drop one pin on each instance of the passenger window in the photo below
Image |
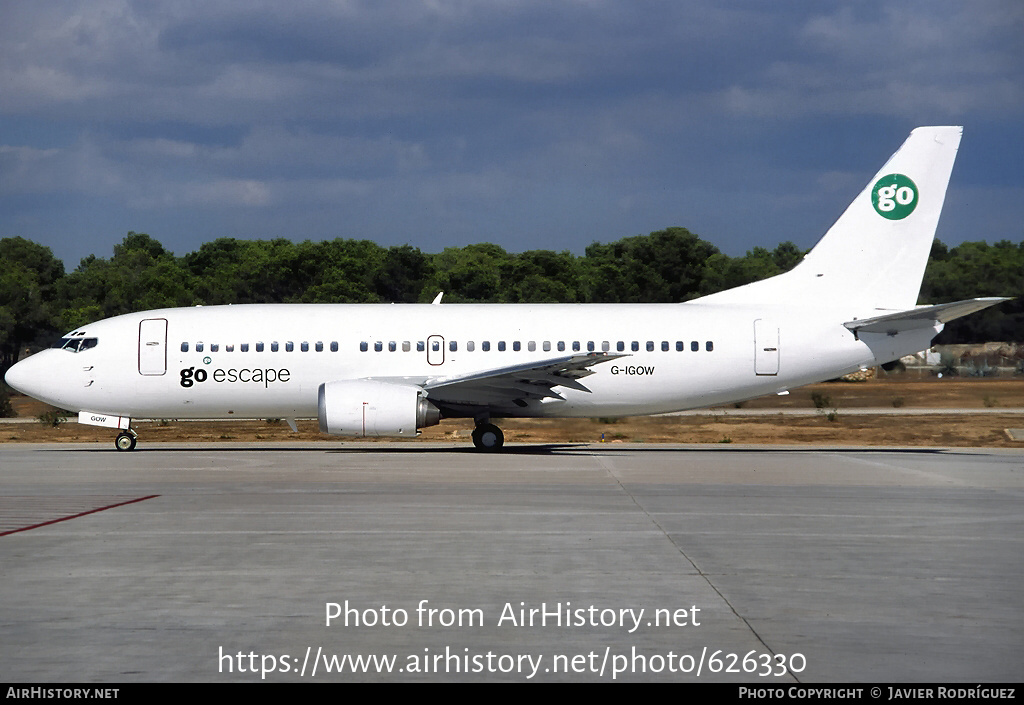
547	346
229	348
694	346
392	346
485	346
575	346
184	347
709	346
561	346
469	346
334	346
620	346
453	346
635	346
244	347
259	347
289	346
304	347
214	347
679	346
364	346
420	346
605	346
664	346
516	346
273	346
406	346
650	346
531	346
319	346
590	346
199	347
501	346
378	346
435	345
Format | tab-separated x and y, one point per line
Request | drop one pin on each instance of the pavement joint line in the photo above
705	576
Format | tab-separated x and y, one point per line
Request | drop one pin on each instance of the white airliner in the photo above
390	369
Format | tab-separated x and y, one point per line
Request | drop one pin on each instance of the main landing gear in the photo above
126	440
487	437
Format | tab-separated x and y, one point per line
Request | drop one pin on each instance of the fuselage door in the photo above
435	350
153	346
766	347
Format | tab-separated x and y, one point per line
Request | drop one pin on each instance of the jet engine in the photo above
370	408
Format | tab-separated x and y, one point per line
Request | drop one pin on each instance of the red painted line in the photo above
80	514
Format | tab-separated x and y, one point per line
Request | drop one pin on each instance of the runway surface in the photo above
771	565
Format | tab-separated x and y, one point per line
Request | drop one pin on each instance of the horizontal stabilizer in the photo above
921	317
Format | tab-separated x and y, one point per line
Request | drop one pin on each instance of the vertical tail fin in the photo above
875	254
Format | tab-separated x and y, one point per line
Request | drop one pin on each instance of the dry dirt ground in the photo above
828	426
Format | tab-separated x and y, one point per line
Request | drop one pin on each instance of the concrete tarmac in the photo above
767	565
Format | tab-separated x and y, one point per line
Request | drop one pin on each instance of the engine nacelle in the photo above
369	408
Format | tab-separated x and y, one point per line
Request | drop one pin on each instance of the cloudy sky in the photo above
547	124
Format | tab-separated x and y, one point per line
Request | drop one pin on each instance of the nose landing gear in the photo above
126	440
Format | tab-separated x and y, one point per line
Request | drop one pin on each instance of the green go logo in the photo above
894	196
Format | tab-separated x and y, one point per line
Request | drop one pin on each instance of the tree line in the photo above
39	300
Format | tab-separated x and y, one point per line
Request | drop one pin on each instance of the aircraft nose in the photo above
26	377
44	376
16	376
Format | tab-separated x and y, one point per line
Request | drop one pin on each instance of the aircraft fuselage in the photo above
260	361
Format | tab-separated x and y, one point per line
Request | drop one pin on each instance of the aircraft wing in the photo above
516	384
921	317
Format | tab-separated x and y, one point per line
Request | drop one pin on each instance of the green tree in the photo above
662	267
340	271
6	410
232	271
29	277
403	274
723	272
475	273
141	276
978	269
786	255
543	276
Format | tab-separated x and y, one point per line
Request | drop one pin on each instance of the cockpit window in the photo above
76	344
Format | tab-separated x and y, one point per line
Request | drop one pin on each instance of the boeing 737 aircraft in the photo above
390	369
